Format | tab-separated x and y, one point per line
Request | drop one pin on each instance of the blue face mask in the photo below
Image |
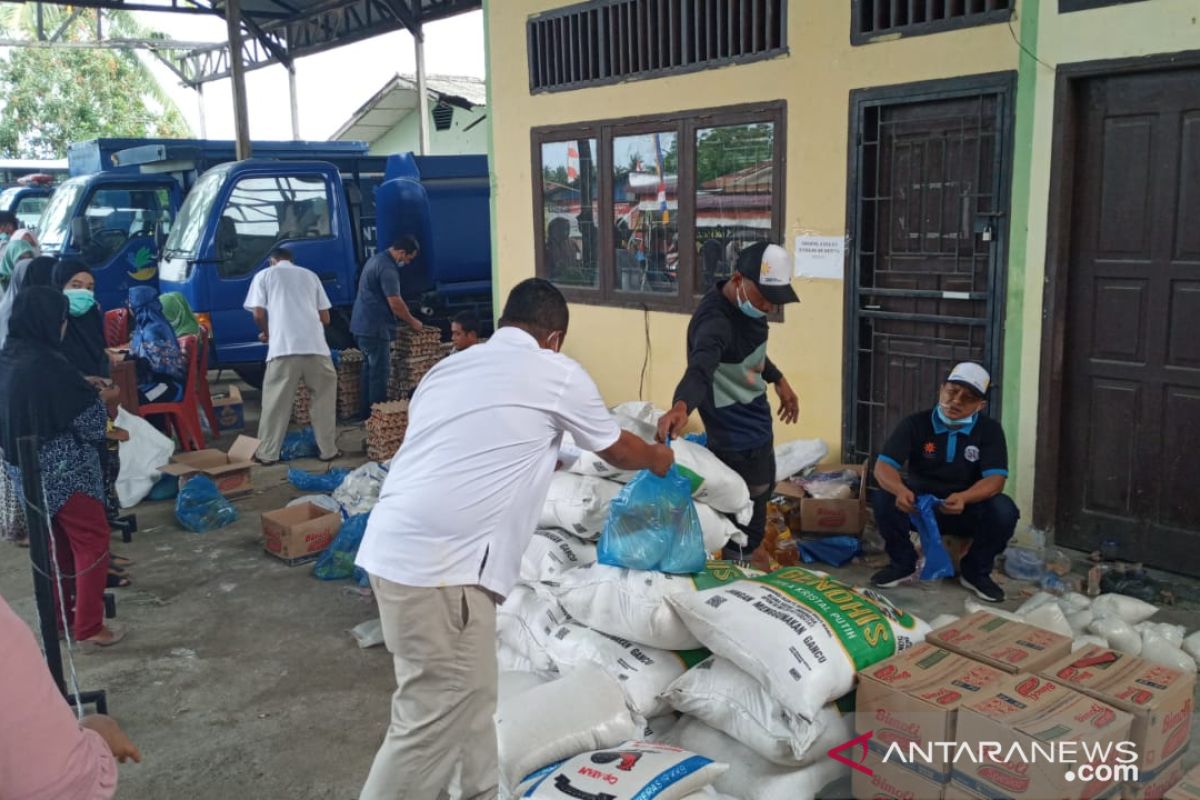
749	308
81	301
951	423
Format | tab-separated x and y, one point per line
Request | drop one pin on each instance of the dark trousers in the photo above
989	525
377	363
757	468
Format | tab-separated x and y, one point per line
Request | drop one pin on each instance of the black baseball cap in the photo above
770	268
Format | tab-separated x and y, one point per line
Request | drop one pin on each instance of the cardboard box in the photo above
298	531
230	410
1006	645
890	782
1159	698
955	791
829	516
1187	789
229	471
1157	785
913	699
1025	718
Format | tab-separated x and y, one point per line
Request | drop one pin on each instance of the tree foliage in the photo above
52	97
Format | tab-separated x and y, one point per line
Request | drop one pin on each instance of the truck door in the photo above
121	221
299	211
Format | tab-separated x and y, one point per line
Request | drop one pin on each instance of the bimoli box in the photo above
1158	697
1027	739
1001	643
229	471
1159	784
1186	789
230	409
912	701
299	531
889	782
956	792
830	516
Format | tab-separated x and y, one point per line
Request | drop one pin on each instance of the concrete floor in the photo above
239	679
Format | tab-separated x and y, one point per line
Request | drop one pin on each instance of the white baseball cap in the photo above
968	373
770	267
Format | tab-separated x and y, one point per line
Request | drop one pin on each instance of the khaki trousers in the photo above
279	393
443	644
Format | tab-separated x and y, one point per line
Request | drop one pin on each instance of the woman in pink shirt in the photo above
45	753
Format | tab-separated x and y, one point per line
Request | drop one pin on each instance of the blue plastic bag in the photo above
834	550
700	438
200	506
324	482
652	525
337	562
937	560
299	444
165	488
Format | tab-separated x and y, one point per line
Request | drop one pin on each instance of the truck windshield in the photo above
184	241
56	219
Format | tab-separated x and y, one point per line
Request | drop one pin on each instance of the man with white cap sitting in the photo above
727	375
959	455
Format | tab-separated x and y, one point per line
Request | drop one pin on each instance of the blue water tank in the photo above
444	202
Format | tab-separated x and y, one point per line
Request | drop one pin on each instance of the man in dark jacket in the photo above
728	372
959	455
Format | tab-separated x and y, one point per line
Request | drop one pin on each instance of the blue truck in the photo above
186	217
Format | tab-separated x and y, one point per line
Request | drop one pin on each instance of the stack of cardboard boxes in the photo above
989	708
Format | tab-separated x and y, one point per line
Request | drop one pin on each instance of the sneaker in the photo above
892	576
984	586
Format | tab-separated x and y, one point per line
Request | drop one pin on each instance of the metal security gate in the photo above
927	209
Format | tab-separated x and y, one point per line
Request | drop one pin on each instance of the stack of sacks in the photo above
1113	621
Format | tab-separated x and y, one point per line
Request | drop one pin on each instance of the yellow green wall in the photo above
815	80
1136	29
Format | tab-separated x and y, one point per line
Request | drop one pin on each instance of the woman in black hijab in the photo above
84	343
42	395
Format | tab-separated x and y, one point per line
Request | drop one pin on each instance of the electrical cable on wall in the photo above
1012	32
646	355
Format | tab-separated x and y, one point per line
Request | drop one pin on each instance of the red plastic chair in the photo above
203	393
116	327
184	416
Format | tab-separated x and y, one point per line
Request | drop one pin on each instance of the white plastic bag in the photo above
552	553
1074	602
1124	607
1088	641
633	769
368	634
644	672
802	633
582	710
1050	617
510	683
942	620
719	530
1159	650
792	458
359	492
319	500
1119	634
524	623
724	697
141	457
751	777
578	504
1191	646
1080	620
632	604
1172	633
1035	602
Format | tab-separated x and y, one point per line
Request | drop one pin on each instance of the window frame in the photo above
686	124
227	198
990	17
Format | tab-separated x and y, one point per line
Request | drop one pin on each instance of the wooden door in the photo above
929	192
1131	368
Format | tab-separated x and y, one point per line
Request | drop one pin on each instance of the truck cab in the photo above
27	202
232	219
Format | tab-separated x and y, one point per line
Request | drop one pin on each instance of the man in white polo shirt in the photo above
444	544
291	310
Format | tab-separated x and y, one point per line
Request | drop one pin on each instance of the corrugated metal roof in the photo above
398	98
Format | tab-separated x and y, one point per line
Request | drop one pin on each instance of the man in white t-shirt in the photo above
291	310
444	544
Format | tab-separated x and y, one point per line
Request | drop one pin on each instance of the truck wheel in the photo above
337	332
252	374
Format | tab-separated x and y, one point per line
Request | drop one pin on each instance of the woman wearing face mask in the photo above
728	372
42	395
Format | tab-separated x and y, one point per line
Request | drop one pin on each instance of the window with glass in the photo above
116	215
29	211
262	212
570	213
670	201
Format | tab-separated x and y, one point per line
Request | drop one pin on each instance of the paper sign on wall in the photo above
820	257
